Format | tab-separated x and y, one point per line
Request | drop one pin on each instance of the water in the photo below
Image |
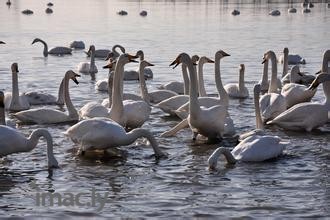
295	185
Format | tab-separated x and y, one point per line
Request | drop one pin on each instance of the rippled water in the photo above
295	185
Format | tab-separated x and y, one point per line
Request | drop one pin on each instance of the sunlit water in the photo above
295	185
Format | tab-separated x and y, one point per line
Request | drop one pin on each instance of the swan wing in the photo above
60	50
92	110
11	141
42	116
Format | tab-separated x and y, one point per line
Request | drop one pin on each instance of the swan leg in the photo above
181	125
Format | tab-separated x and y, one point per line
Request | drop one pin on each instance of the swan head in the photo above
213	159
14	68
257	89
1	42
73	76
286	50
91	49
268	55
36	40
110	56
322	77
181	58
241	68
205	59
145	63
220	54
140	54
194	59
127	58
111	65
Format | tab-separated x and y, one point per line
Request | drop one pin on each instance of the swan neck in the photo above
60	98
140	132
73	114
2	114
143	85
273	79
185	79
223	95
264	80
326	84
259	123
45	47
241	83
201	87
213	159
194	107
92	65
285	64
34	139
15	90
110	86
117	107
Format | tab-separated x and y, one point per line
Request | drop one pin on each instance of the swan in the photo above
122	12
50	4
291	59
176	86
201	87
77	44
272	103
134	74
292	10
98	133
54	50
306	10
295	93
88	67
274	12
252	149
239	90
12	141
143	13
235	12
8	2
3	120
52	116
15	101
103	53
208	122
308	116
27	12
295	76
1	42
49	10
264	82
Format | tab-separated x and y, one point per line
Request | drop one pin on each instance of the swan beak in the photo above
225	54
300	74
1	42
314	85
34	41
176	62
131	58
210	61
263	60
110	55
149	64
318	72
75	79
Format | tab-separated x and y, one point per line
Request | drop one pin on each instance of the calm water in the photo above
295	185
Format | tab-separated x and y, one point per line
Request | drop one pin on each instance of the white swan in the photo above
252	149
12	141
103	53
296	93
176	86
292	59
49	115
308	116
88	67
77	44
238	90
201	86
54	50
205	121
134	74
3	120
15	101
272	103
264	82
99	133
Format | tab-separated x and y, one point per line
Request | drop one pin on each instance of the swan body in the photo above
134	74
252	149
40	98
101	85
143	13
235	12
49	10
272	103
88	67
102	134
15	101
52	116
136	113
170	105
12	141
3	120
296	93
274	13
239	90
175	86
27	12
307	116
54	50
306	10
293	59
103	53
295	76
292	10
77	45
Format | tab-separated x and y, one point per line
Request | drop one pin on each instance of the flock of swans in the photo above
117	121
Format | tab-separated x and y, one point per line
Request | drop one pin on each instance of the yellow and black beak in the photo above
314	84
110	65
74	79
176	62
263	60
318	72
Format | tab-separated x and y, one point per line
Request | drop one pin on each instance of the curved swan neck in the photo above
241	83
117	107
186	80
324	68
110	86
259	123
213	159
143	85
140	132
223	95
33	141
73	114
201	87
45	47
273	79
60	98
114	50
285	62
